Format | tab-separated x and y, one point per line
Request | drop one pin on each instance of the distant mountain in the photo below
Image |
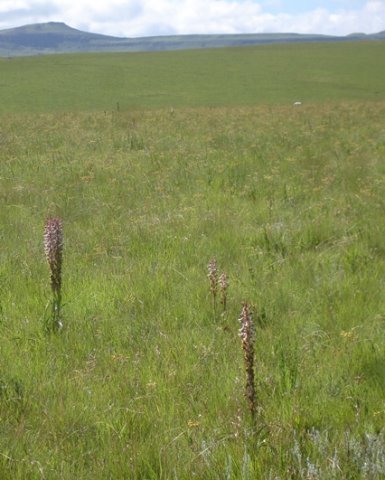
57	37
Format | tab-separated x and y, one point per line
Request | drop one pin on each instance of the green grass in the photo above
144	381
274	74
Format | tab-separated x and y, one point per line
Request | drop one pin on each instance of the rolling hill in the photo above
57	37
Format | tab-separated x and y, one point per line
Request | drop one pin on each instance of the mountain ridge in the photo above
58	37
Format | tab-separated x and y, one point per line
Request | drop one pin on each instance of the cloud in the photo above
134	18
14	13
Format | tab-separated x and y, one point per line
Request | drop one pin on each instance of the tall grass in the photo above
142	382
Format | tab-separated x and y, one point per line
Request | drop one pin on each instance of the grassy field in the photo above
146	379
274	74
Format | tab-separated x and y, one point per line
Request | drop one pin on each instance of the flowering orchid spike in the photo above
247	334
213	275
224	285
53	248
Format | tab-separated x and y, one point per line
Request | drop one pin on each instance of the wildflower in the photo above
213	276
193	424
53	248
247	335
224	285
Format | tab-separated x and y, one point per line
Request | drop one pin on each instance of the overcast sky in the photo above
134	18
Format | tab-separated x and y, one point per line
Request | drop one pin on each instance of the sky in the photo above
138	18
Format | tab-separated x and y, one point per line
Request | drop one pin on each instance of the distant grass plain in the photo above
271	74
157	163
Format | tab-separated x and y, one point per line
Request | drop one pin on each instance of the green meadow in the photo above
157	163
248	76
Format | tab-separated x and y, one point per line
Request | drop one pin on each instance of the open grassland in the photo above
146	379
274	74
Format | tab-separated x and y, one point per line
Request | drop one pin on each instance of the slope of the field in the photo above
237	76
